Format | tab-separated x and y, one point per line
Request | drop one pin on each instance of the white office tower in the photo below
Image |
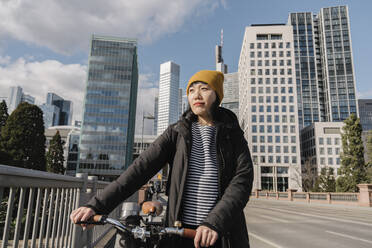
156	108
168	95
14	99
268	107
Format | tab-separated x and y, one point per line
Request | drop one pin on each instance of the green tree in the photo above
326	181
369	147
54	156
3	114
23	139
309	176
353	168
369	156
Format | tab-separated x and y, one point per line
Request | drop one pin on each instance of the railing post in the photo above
290	194
329	197
365	195
79	238
307	197
258	193
91	191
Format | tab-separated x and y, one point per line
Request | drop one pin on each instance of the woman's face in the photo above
201	98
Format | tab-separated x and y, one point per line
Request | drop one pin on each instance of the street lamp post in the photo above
150	117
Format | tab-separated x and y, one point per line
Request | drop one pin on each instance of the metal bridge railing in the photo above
35	208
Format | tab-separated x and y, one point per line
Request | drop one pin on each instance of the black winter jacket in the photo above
173	147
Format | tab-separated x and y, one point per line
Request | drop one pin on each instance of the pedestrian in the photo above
210	171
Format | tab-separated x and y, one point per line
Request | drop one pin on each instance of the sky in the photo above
44	44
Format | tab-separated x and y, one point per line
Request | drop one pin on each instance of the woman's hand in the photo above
82	214
205	237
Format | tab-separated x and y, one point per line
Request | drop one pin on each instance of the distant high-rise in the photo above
50	115
231	92
65	108
268	106
14	99
180	102
107	132
324	65
365	113
156	107
16	96
168	95
230	84
56	111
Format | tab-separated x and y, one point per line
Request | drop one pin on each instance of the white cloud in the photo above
65	26
38	78
68	81
148	88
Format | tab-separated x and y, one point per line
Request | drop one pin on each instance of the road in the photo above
280	224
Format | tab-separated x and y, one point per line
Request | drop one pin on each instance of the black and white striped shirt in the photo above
201	188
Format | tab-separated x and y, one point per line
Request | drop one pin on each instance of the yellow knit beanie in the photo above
213	78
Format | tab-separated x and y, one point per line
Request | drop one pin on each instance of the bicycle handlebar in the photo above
137	231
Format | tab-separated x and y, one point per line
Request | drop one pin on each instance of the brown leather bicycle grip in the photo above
189	233
96	218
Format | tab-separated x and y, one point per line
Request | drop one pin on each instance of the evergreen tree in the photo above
3	114
23	139
353	169
369	147
54	156
369	156
326	181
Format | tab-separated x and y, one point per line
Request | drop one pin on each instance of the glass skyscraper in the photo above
107	133
324	65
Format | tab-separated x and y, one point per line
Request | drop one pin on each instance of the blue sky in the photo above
44	43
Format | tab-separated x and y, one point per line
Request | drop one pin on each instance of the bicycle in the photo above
138	232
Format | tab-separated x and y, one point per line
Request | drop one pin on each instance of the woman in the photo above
211	172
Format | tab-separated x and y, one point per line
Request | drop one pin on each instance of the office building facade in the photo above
107	132
16	96
64	106
168	95
156	108
231	92
268	107
365	113
321	145
324	65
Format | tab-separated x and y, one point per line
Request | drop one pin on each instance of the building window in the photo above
321	151
293	149
330	161
252	45
329	151
253	108
322	161
329	141
262	149
277	139
254	118
254	139
321	141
